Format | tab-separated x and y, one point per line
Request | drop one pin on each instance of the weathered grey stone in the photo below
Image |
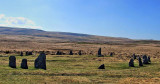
12	61
140	61
134	56
145	60
40	62
80	52
29	53
70	53
149	59
99	52
59	53
24	64
131	63
101	67
112	53
21	54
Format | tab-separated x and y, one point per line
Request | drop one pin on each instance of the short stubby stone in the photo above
131	63
70	52
80	52
111	54
40	62
24	64
101	67
21	54
140	61
59	53
12	61
29	53
145	59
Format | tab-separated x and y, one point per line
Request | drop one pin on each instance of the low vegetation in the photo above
79	69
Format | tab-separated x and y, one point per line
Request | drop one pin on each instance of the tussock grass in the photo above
75	69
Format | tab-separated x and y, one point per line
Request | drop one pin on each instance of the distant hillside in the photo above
60	36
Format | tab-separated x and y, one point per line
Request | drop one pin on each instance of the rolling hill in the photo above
35	34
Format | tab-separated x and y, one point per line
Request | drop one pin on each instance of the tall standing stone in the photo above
131	63
99	52
145	60
24	64
101	67
12	61
70	52
149	59
140	61
40	62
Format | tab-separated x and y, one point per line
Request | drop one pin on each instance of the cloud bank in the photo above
17	22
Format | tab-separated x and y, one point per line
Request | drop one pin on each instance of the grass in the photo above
79	69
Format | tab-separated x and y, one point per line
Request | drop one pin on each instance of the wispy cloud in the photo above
17	22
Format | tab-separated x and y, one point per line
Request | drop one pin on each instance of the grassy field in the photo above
79	69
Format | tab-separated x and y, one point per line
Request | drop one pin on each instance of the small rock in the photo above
101	67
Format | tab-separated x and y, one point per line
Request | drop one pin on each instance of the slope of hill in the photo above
59	36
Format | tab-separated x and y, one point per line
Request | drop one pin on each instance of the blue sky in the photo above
136	19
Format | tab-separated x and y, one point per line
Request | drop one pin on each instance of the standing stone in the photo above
131	63
149	59
24	64
59	53
27	53
134	56
101	67
111	54
30	53
99	52
145	60
40	62
12	61
70	53
21	54
80	52
140	61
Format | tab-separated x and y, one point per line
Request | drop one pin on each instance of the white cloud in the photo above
17	22
2	16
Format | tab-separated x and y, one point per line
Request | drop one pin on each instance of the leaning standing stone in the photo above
24	64
12	61
102	67
140	61
131	63
40	62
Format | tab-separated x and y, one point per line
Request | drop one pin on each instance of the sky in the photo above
135	19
